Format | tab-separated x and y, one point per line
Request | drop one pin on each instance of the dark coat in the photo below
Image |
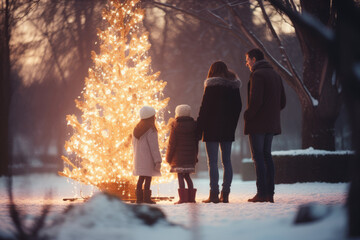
266	98
182	150
220	109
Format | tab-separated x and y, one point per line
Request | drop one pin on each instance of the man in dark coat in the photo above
266	98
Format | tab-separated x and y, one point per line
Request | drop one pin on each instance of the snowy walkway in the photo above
236	220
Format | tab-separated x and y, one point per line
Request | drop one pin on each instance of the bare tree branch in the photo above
23	232
241	29
191	14
256	42
284	54
313	24
228	27
14	212
54	53
323	75
218	18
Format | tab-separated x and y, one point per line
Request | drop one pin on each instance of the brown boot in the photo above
147	197
258	198
183	195
270	198
139	196
224	197
192	195
213	197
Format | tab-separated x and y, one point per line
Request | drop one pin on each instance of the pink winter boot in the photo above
192	194
183	195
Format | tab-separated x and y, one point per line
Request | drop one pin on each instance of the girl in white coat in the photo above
147	158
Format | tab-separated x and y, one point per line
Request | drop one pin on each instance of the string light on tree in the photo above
117	86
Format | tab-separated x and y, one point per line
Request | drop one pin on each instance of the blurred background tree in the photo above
12	12
52	47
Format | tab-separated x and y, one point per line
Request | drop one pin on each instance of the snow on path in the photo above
236	220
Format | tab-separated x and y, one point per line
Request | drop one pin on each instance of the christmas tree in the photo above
118	85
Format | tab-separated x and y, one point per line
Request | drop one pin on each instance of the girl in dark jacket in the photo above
217	121
182	151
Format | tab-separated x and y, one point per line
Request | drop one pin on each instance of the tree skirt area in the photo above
103	217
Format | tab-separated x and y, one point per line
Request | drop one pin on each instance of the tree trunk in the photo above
317	131
353	198
5	91
320	113
346	55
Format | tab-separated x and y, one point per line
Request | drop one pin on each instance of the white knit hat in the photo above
183	110
147	112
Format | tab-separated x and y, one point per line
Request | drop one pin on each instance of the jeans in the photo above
260	146
212	149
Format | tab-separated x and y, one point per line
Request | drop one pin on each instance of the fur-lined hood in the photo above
219	81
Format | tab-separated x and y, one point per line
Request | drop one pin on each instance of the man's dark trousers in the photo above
260	145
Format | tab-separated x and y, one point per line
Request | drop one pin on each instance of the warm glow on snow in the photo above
120	82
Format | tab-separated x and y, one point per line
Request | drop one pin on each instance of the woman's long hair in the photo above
219	69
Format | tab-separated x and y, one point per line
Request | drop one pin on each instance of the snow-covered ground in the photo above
237	220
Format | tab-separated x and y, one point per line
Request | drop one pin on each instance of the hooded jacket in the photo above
146	151
182	149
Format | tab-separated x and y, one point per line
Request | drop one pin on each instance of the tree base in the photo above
125	191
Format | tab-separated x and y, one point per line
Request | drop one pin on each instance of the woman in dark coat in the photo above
217	121
182	151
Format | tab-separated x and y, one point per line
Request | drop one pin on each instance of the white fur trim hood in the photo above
219	81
